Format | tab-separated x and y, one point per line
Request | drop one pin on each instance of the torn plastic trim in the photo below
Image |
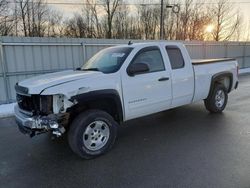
38	124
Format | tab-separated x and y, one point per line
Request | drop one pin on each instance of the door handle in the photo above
163	79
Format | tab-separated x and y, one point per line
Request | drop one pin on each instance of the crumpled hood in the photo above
37	84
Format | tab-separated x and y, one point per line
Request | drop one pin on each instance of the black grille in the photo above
26	102
37	104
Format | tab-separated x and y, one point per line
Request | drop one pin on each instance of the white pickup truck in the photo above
116	85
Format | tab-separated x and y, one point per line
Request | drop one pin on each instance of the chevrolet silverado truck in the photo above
116	85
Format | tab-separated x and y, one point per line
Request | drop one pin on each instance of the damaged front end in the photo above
36	114
35	125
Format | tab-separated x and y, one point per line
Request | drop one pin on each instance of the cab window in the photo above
175	57
152	57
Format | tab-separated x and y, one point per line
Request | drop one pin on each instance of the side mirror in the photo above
137	68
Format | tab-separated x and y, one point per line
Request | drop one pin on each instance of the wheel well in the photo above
224	78
108	105
225	81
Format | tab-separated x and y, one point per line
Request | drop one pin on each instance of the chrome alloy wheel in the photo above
96	135
219	98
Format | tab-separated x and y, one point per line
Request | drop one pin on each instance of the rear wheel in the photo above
92	133
217	100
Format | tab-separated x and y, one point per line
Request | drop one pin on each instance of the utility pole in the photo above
161	22
175	9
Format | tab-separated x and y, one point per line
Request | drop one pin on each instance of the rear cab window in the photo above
175	57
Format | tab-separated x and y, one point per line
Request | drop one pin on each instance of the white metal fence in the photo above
22	58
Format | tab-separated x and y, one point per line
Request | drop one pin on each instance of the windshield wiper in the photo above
91	69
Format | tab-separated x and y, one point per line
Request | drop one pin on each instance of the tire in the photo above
217	100
92	133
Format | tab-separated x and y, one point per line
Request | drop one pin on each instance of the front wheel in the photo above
92	133
217	100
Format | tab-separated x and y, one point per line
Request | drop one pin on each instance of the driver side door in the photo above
148	92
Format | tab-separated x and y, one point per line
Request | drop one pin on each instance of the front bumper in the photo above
34	125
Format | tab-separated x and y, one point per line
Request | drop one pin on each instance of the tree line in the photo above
116	19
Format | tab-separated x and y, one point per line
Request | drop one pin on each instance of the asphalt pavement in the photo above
183	147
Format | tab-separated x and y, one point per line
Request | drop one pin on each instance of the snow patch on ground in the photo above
7	110
246	70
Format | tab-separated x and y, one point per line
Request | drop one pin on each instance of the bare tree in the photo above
6	19
185	18
76	27
199	19
3	6
149	21
85	24
238	35
110	7
33	15
226	20
113	19
121	25
95	21
55	24
170	29
22	12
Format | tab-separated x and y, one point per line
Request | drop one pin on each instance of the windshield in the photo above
108	60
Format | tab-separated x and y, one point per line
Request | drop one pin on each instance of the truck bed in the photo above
208	61
205	69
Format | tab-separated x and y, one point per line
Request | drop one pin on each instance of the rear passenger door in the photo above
182	76
148	92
